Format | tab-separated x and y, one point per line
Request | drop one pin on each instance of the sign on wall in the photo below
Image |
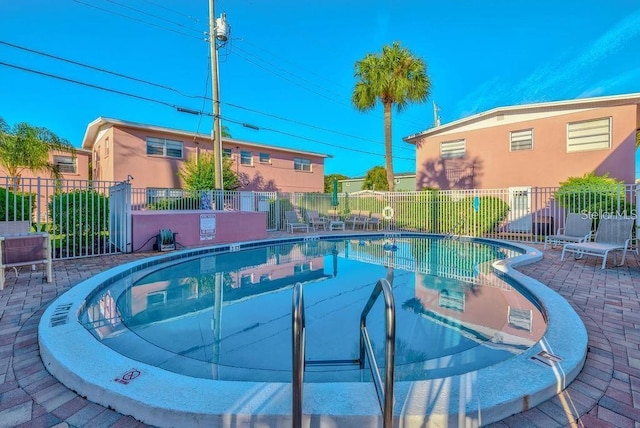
207	227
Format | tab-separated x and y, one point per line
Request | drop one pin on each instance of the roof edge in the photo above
614	100
94	126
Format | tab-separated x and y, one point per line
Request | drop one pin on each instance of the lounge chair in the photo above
358	218
577	228
293	222
315	220
613	234
375	221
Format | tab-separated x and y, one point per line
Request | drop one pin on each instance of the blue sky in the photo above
288	66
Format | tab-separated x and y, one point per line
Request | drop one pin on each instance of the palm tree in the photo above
25	147
395	77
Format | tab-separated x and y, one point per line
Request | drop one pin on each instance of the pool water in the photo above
228	316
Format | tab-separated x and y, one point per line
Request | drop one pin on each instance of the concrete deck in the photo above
605	394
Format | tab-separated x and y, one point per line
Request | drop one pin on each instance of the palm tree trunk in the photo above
387	145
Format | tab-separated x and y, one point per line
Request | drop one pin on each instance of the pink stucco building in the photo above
153	155
531	145
71	167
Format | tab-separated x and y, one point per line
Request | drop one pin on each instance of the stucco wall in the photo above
128	157
489	163
230	226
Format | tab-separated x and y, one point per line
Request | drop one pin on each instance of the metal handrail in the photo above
385	397
298	354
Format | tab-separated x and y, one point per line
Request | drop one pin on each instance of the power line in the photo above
138	20
339	100
172	10
204	98
153	16
113	73
90	85
314	140
179	108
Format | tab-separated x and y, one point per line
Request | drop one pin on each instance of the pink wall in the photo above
230	226
489	163
127	156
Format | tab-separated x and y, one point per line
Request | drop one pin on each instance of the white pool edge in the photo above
158	397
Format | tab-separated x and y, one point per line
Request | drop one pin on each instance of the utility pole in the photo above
216	131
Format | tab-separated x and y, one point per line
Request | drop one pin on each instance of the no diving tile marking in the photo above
60	315
546	358
128	376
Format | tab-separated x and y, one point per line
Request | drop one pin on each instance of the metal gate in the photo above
120	216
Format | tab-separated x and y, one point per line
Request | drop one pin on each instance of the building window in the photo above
452	149
164	147
589	135
160	195
521	140
246	158
227	153
65	164
265	158
106	148
301	164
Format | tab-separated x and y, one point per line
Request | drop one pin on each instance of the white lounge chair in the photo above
577	228
293	222
358	218
375	221
613	234
315	220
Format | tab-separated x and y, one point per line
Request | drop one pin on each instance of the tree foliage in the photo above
198	173
395	77
24	147
328	182
592	193
376	179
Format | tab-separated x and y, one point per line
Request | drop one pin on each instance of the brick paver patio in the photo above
605	394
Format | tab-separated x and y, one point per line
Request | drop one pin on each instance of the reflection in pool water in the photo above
228	316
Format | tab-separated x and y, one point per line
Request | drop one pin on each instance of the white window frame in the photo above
66	164
265	155
227	153
453	149
588	135
520	140
244	156
165	147
301	164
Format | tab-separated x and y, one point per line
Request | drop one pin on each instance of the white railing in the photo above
76	211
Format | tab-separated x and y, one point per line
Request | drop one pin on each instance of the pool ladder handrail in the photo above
385	394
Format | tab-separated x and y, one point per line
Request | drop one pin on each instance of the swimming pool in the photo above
219	321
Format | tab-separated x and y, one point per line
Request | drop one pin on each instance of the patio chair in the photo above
375	221
577	228
613	234
315	220
23	248
358	218
293	222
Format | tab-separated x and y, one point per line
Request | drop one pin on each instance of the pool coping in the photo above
471	399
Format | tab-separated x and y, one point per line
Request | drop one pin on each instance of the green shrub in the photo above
185	203
80	213
591	194
16	206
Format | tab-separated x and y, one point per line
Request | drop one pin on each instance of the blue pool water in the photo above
228	316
